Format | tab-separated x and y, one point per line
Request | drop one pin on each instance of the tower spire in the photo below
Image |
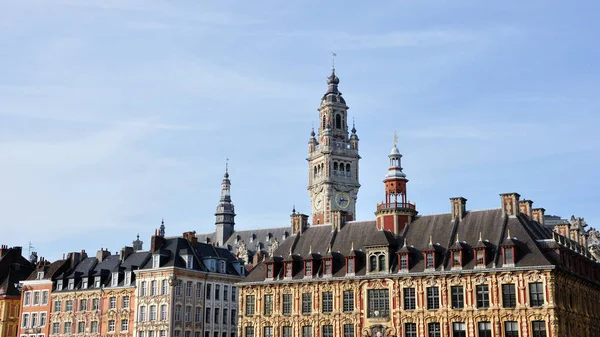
225	213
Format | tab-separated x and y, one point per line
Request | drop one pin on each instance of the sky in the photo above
115	114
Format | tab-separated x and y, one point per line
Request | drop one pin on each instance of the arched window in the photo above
335	166
323	122
315	174
382	264
372	263
348	169
338	121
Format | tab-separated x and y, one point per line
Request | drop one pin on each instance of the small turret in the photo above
225	213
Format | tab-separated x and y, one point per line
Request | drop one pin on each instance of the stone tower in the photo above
333	159
225	212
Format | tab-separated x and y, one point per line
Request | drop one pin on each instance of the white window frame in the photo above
115	279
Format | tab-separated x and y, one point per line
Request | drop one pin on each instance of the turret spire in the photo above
225	213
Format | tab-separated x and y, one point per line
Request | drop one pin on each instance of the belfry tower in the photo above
396	212
333	159
225	212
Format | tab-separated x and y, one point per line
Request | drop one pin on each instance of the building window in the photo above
249	305
458	301
59	284
177	313
306	303
207	315
115	279
434	330
233	293
127	278
124	325
82	305
178	288
327	267
188	288
67	326
95	303
268	331
307	331
538	328
536	294
25	321
233	312
198	315
456	258
508	256
249	331
286	304
511	329
216	318
224	316
153	288
143	288
125	302
269	270
34	320
327	302
156	261
94	326
71	284
163	287
433	298
190	262
410	329
225	293
308	268
459	329
348	330
198	289
97	282
217	292
286	331
55	328
36	298
57	306
84	283
485	329
153	313
480	257
327	330
348	301
403	261
350	268
509	296
69	306
142	314
27	298
410	299
111	325
188	314
288	269
113	302
43	318
208	291
379	303
429	260
268	305
483	296
163	312
44	297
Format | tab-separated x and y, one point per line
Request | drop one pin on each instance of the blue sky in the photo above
117	113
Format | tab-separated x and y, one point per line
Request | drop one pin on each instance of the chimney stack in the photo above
338	219
510	203
299	223
537	214
102	254
525	207
125	252
3	250
459	208
157	241
191	238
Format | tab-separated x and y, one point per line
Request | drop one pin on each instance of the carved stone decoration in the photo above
242	252
273	247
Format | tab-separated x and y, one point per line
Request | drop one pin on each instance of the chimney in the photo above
75	258
338	219
510	203
102	254
299	223
191	238
157	241
459	208
3	250
125	252
257	258
83	254
537	214
525	207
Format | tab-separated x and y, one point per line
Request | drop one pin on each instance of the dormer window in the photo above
480	257
269	271
115	280
288	269
40	275
84	283
71	284
456	258
429	260
382	262
509	256
59	285
127	278
403	262
308	268
97	282
155	261
350	265
189	261
328	267
377	262
223	266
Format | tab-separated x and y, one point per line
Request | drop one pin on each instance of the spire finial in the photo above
294	209
333	55
457	240
227	165
329	248
430	241
138	236
508	236
352	246
395	139
480	236
310	249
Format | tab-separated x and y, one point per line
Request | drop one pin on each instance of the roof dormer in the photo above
456	252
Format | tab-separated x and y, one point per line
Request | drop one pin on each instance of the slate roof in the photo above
529	237
14	268
255	239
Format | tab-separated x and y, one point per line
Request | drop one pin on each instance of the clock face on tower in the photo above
342	199
319	202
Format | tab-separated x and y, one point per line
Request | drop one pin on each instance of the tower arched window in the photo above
315	172
382	264
323	122
372	263
338	121
348	169
335	166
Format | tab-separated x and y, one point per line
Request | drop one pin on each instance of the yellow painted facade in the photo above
9	316
575	313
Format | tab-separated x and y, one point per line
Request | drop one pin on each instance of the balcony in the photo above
396	205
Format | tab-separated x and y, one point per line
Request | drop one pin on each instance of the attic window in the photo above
429	260
59	285
156	261
115	280
71	284
269	271
480	257
97	282
377	262
223	265
456	258
40	275
308	268
189	261
404	262
127	278
509	258
84	283
328	267
288	269
350	267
